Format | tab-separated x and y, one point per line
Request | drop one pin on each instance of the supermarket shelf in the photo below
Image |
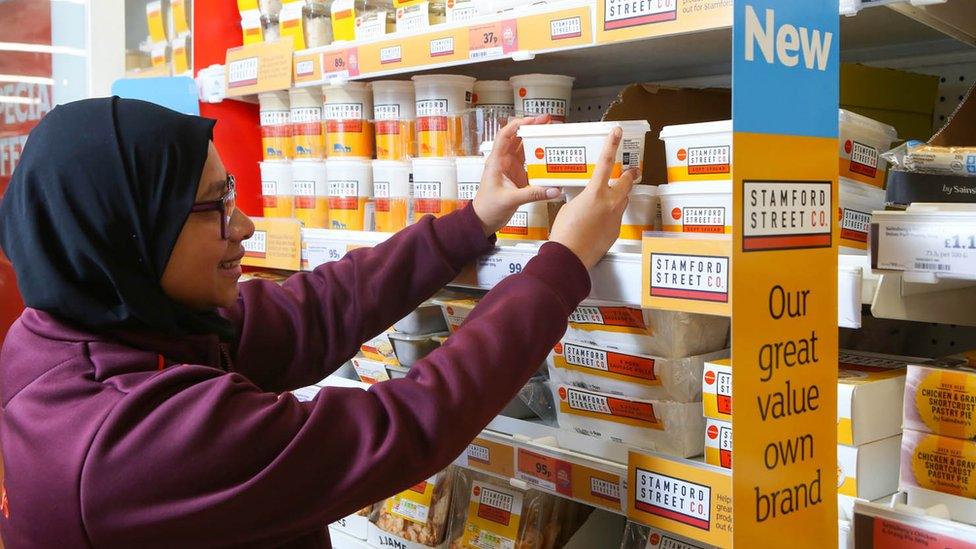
879	525
955	19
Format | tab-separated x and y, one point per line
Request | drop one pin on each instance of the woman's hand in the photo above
504	185
590	223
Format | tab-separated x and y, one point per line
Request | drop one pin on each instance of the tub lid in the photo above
644	190
681	130
869	124
443	79
393	85
697	187
536	78
582	128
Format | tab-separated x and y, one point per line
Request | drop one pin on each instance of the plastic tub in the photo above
346	114
425	319
394	107
642	213
411	348
669	334
536	94
862	140
673	428
469	172
441	100
704	207
311	193
698	152
456	310
531	221
391	189
565	155
435	186
277	192
857	201
608	370
306	124
350	188
494	94
275	118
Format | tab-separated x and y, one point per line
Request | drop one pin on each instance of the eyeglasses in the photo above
226	205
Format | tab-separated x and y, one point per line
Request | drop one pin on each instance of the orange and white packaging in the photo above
705	207
531	221
857	201
718	443
456	310
673	428
536	94
311	193
441	100
350	193
565	155
391	191
416	517
698	152
469	172
435	187
370	371
277	191
938	463
668	334
380	349
346	114
276	130
941	399
612	371
717	389
395	112
308	139
870	392
862	140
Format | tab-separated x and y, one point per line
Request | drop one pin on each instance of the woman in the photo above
144	393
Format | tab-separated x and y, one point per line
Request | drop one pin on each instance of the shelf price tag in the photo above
341	65
948	249
317	253
492	39
544	472
492	269
597	487
259	67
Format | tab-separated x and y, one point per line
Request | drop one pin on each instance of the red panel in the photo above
237	136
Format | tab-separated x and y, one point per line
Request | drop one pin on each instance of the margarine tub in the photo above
934	462
698	152
608	370
536	94
704	207
275	119
531	221
277	192
435	186
673	428
862	140
494	94
565	155
441	100
469	172
857	201
643	212
308	141
350	188
395	110
346	116
311	193
391	191
669	334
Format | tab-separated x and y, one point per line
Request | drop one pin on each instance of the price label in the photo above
944	248
317	253
492	39
544	472
492	269
341	64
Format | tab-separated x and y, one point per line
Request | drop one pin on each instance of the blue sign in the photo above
785	66
174	92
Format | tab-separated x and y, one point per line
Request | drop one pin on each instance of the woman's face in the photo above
203	269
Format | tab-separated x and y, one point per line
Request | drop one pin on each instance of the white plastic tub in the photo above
276	130
435	186
411	348
394	107
311	194
704	207
536	94
565	155
350	188
391	189
347	114
441	101
861	141
857	201
673	428
277	191
306	123
698	152
643	213
531	221
469	172
630	374
669	334
494	94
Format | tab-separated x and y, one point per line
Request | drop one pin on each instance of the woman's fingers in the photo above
604	165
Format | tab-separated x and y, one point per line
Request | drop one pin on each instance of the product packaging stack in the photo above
638	536
417	517
631	376
938	452
391	354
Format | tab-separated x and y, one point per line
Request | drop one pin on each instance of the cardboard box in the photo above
940	398
938	463
870	390
353	525
903	99
869	471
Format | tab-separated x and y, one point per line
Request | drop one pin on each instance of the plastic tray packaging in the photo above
488	513
411	348
628	374
456	310
673	428
420	513
426	319
668	334
638	536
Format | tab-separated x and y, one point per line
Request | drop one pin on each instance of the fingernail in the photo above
553	192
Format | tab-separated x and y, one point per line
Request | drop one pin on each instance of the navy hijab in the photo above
94	209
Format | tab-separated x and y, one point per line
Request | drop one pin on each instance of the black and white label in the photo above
544	105
467	191
928	247
274	118
426	189
242	72
780	215
304	115
304	68
605	489
620	14
442	46
387	112
343	111
673	498
432	107
257	244
697	277
269	188
343	188
586	357
571	27
391	54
